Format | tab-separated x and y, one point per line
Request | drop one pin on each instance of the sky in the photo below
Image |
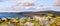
16	6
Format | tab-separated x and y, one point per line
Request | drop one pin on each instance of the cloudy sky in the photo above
16	5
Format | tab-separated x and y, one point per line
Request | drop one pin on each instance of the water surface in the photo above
12	15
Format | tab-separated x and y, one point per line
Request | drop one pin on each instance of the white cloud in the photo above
17	5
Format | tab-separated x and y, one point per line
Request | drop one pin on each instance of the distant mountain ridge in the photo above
42	12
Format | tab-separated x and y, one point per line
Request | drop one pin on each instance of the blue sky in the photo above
47	3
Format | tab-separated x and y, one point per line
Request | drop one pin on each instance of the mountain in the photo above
41	12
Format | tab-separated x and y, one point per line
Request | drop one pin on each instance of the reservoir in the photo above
11	15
